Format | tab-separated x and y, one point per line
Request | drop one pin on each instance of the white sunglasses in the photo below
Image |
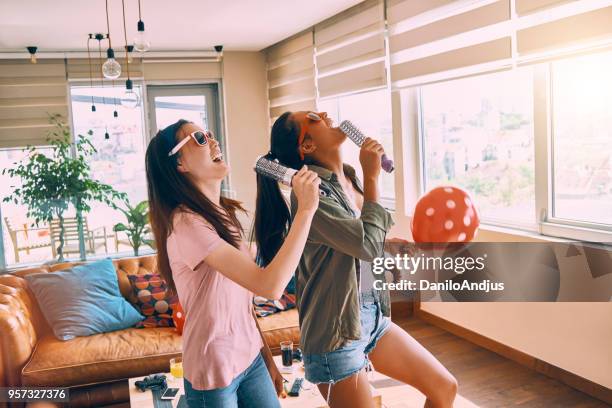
200	137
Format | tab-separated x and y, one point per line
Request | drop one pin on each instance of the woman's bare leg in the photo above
398	355
353	392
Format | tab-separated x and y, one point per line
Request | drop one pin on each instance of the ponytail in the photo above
272	216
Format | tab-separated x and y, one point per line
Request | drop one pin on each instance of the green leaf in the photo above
120	227
142	206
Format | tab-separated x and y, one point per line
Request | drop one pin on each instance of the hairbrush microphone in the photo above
357	136
280	173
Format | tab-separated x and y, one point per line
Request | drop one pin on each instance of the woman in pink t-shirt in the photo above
204	259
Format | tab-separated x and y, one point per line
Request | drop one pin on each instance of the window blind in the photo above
29	93
180	69
350	50
578	30
529	6
440	39
439	36
78	68
290	70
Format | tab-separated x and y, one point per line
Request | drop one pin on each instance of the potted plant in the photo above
51	183
137	227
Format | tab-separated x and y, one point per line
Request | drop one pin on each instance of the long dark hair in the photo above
272	217
168	189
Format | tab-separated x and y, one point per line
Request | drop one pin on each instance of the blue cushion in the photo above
83	300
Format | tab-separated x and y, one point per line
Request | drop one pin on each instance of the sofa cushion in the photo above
101	357
266	307
280	327
153	300
140	265
82	300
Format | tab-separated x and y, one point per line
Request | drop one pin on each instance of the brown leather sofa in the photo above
94	367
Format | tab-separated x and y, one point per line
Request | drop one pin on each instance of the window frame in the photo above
543	120
216	86
145	127
529	227
2	257
549	225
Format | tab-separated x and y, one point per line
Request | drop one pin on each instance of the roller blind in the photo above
290	70
441	39
29	93
575	30
439	36
350	50
400	10
78	68
177	69
529	6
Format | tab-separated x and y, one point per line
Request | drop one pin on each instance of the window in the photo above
23	242
477	134
370	112
196	103
119	161
582	139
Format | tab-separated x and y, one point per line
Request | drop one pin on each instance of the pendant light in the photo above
130	50
100	38
115	113
111	68
141	43
32	50
130	98
93	105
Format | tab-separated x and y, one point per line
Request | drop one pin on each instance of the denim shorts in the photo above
252	388
352	357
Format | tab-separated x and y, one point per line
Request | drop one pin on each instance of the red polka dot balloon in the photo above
178	316
445	214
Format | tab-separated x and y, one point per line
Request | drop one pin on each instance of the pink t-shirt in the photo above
220	338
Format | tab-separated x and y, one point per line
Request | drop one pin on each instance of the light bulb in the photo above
141	43
130	99
111	68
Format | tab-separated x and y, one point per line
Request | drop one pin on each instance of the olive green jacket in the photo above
327	278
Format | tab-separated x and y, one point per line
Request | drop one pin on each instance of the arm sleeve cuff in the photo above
374	213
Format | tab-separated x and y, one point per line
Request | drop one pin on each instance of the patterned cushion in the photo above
153	300
265	307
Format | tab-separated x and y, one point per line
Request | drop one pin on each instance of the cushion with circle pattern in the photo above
153	300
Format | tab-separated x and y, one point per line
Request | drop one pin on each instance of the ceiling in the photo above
63	25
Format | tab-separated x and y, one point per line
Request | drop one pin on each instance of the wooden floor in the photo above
489	380
485	379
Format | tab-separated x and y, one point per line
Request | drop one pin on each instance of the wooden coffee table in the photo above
139	399
310	397
394	393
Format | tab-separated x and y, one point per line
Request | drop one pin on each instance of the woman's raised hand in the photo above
305	185
370	155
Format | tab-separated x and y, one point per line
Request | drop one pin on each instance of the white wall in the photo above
574	336
246	121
